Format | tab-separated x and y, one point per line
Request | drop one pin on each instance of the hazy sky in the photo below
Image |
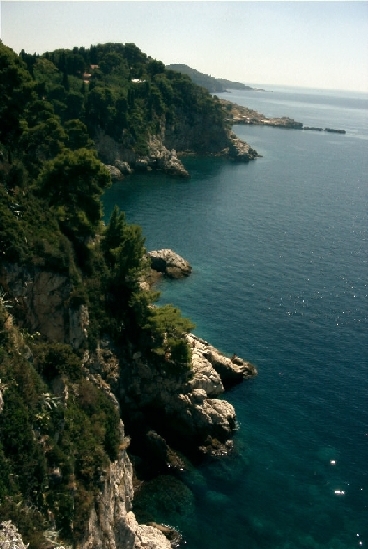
314	44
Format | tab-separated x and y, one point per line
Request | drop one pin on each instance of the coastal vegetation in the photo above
58	430
84	348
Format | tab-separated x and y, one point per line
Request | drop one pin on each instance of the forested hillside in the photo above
58	431
82	343
120	90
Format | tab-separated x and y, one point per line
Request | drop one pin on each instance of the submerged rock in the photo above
161	497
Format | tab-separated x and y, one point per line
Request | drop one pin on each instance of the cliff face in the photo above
41	303
197	135
124	160
41	300
112	524
169	409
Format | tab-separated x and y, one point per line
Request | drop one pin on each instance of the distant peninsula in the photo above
210	83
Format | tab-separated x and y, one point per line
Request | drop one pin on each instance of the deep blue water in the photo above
279	250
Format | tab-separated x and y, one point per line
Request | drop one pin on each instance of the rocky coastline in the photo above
166	148
239	115
242	115
168	416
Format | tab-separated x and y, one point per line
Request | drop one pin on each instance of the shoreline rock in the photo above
240	150
169	263
230	370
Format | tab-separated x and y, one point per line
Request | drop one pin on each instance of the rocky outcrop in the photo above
124	167
240	150
198	418
197	136
169	263
121	161
10	537
229	370
181	408
163	159
115	173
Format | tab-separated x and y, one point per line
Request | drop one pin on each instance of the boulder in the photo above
170	263
196	417
124	167
115	173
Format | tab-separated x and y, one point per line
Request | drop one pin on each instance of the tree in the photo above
78	137
72	183
167	329
16	90
125	256
42	142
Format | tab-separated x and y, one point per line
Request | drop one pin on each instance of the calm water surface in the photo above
279	251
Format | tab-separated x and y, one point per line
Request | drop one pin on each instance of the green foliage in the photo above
42	142
167	329
78	137
58	431
16	90
53	448
57	359
19	443
29	232
72	183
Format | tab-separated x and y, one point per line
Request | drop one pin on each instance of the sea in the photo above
279	251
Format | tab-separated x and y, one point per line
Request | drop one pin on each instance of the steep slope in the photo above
85	355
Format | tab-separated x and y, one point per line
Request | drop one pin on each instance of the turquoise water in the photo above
279	251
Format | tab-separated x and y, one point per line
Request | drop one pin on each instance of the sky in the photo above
301	43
